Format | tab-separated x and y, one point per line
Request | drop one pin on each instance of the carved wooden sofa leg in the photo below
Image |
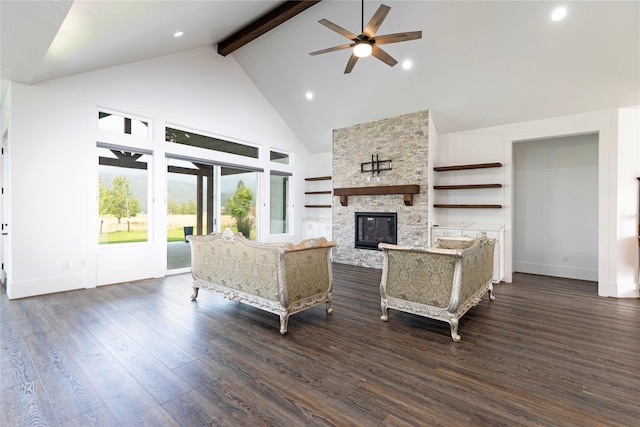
453	322
329	309
385	311
284	320
194	295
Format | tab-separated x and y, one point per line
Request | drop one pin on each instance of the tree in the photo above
186	208
172	207
239	207
118	200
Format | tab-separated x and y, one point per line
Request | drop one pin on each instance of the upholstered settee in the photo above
440	282
280	278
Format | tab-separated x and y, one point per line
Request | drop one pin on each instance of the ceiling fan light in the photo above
559	14
362	49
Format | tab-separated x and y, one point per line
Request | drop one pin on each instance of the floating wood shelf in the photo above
327	192
465	186
463	167
469	206
407	190
318	178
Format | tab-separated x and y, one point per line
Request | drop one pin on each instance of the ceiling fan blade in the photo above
383	56
332	49
376	21
351	63
338	29
398	37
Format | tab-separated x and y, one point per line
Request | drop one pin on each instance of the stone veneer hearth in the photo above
405	141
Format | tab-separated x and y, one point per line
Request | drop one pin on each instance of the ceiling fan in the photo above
367	43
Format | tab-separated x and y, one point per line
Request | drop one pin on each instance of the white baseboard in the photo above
49	285
556	270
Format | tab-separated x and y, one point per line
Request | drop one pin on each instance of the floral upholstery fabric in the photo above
460	243
477	266
412	276
306	273
220	262
260	268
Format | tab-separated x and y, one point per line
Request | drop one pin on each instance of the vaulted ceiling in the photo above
478	64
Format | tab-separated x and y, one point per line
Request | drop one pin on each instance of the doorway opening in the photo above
555	196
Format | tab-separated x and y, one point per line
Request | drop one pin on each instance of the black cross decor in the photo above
375	166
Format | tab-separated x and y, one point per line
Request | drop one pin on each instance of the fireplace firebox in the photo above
375	227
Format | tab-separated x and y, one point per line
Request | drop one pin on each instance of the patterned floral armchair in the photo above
280	278
441	282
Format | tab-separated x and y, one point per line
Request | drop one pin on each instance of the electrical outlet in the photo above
64	265
565	258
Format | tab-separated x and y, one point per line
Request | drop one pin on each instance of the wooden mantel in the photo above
407	190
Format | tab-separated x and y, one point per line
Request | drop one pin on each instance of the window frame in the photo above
149	195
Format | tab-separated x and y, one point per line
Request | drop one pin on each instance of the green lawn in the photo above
174	235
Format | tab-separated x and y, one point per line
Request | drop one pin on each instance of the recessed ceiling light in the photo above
407	64
309	95
178	34
559	13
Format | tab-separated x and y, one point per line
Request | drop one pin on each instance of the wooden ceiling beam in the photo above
277	16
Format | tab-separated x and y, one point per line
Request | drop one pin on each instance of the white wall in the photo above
624	259
555	207
47	192
5	255
53	161
617	167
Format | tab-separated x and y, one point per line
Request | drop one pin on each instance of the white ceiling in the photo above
479	63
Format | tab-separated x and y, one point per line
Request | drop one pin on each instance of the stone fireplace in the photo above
400	189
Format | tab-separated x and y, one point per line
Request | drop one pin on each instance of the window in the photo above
234	186
210	143
122	124
123	196
281	158
239	188
279	202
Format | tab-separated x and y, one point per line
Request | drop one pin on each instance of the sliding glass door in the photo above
203	198
189	208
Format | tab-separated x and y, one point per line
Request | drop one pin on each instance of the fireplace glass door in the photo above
375	227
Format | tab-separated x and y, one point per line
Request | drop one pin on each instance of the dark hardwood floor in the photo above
547	351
